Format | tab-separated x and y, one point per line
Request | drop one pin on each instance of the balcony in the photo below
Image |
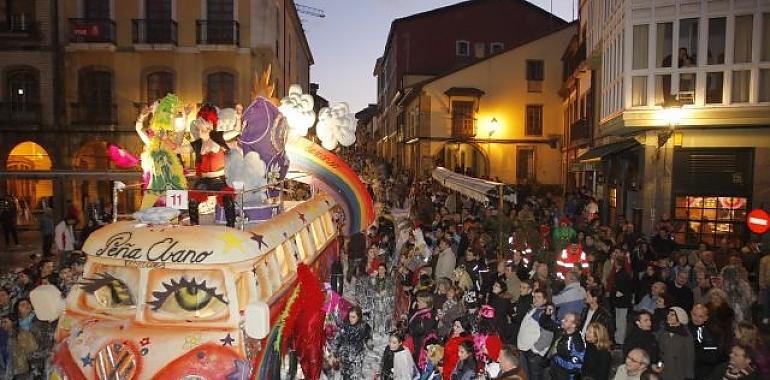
93	113
19	32
463	126
154	31
579	130
92	30
14	113
214	32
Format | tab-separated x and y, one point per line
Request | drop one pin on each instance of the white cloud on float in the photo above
248	170
336	125
298	110
227	119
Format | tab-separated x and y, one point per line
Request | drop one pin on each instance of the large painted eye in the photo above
188	298
110	292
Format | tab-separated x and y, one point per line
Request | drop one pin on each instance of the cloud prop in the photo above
298	110
249	170
227	120
336	125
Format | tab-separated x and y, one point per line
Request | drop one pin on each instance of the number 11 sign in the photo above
176	199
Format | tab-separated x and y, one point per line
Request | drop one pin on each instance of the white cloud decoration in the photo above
336	125
227	120
249	171
298	110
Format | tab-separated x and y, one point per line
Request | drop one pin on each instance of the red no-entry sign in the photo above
758	221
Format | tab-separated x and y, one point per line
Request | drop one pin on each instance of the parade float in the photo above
166	296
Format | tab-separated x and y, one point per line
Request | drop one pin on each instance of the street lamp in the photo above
492	130
672	115
179	122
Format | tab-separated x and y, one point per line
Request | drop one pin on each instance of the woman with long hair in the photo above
596	364
465	369
460	334
349	347
716	302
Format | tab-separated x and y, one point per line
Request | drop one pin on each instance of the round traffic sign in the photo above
758	221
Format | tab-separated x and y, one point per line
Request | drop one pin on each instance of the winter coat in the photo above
596	363
710	348
351	338
621	290
445	265
601	316
533	337
570	299
397	365
677	352
465	370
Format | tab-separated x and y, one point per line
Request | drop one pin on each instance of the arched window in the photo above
220	89
23	89
159	84
95	105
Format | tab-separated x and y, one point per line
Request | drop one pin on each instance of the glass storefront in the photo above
709	219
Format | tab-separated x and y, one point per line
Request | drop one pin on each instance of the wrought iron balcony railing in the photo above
16	113
154	31
217	32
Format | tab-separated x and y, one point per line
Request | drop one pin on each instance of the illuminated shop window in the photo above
709	219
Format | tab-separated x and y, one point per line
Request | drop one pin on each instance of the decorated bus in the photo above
217	276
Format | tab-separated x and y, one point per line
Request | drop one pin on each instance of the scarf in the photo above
26	323
678	330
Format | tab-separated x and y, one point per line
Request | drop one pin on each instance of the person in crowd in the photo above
465	369
6	306
460	334
451	310
597	360
384	291
397	362
740	296
64	238
446	261
662	245
593	312
750	336
648	302
676	346
572	298
500	301
8	219
510	364
567	362
764	287
680	290
533	340
710	342
350	345
486	339
740	367
637	361
422	329
620	290
642	336
702	287
45	225
520	308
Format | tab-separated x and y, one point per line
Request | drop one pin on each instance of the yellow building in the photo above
117	56
497	118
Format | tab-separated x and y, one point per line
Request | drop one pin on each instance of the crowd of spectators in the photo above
469	305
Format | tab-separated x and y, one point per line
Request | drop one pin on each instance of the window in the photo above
765	36
688	42
764	85
639	91
742	41
96	9
463	122
687	88
534	122
19	15
740	91
219	10
535	70
525	165
159	84
22	89
709	219
462	48
94	96
664	45
716	41
496	47
641	46
157	9
662	89
714	85
220	90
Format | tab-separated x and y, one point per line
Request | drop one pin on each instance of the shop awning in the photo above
599	152
472	187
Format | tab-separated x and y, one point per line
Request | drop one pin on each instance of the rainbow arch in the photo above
330	173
